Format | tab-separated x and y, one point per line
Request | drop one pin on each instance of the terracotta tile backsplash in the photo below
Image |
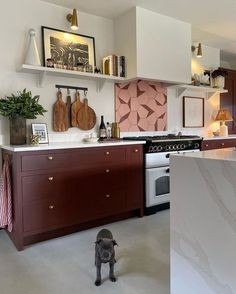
141	106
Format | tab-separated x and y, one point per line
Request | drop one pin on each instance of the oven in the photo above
157	151
157	177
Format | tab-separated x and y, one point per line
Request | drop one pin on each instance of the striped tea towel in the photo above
5	196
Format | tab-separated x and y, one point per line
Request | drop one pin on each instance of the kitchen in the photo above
173	56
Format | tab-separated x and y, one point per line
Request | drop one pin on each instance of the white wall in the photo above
210	60
16	18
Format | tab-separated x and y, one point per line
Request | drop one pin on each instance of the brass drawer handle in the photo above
222	144
107	153
50	158
107	171
206	145
51	206
50	178
108	196
136	150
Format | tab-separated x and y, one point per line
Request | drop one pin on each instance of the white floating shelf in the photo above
44	71
180	89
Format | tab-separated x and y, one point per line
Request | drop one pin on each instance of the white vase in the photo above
219	82
32	56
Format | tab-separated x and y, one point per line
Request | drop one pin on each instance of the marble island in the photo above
203	222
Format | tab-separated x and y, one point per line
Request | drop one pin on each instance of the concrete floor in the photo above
66	265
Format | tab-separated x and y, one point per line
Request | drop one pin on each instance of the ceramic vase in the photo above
17	131
32	56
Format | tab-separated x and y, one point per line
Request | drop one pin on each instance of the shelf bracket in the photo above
180	92
41	79
100	84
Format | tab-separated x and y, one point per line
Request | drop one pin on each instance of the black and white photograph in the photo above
41	131
68	49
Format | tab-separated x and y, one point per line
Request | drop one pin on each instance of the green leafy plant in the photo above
22	105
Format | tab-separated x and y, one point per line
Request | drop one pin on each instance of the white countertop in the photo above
67	145
228	154
220	137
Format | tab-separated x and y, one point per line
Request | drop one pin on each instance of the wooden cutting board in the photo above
75	107
68	110
86	117
59	115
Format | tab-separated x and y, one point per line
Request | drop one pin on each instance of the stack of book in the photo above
114	65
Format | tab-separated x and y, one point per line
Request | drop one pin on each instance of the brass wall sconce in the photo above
199	49
73	19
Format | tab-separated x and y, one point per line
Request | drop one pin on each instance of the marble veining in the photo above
203	225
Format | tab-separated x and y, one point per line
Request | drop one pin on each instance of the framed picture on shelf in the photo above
68	50
193	112
41	131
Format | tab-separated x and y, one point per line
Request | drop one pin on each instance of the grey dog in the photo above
104	252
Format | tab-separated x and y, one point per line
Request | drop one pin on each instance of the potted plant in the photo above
218	77
18	108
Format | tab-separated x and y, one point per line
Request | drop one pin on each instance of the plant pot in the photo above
17	131
219	82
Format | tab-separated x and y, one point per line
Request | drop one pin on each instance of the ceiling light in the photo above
199	49
73	19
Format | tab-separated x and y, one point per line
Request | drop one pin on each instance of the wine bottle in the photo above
102	130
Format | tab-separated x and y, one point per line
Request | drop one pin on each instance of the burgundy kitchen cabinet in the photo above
62	191
217	144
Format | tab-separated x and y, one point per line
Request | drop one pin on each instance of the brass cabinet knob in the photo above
107	171
50	157
222	144
50	178
206	145
107	153
136	150
51	206
108	196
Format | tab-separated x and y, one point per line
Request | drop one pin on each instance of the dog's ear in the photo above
114	242
98	241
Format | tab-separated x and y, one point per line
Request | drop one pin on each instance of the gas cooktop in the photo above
168	137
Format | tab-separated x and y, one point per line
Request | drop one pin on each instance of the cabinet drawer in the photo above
45	215
83	158
46	186
99	204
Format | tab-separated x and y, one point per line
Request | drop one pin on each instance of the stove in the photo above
158	150
168	143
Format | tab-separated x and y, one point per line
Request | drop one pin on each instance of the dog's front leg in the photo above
98	279
111	274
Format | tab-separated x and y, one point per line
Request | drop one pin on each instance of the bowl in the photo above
216	133
91	140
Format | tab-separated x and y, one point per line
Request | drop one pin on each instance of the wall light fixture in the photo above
199	49
73	19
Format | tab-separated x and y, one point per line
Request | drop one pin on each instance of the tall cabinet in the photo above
228	100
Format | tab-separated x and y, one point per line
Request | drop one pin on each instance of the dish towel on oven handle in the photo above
6	196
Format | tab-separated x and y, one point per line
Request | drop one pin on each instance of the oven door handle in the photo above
167	170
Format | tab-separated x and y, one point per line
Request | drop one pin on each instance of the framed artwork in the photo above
193	112
41	131
68	49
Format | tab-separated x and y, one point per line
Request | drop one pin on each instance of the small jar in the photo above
115	131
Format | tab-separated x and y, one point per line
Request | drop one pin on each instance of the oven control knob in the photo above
173	147
155	149
167	147
159	148
178	146
150	149
182	146
196	145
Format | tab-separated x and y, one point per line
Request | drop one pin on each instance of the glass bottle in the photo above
102	130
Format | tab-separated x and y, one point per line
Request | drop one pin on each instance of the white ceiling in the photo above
214	21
